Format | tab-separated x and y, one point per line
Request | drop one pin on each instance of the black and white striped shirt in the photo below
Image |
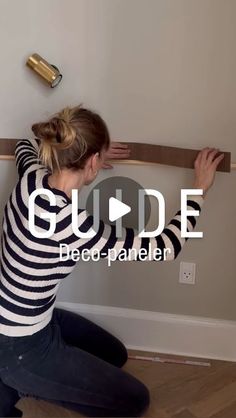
31	268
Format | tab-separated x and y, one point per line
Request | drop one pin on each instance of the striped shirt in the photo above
31	268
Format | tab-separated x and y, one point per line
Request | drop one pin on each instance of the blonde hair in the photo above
70	137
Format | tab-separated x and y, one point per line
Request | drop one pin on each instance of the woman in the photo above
50	353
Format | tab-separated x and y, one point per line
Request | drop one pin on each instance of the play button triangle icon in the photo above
117	209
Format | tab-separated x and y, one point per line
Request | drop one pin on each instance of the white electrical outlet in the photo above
187	273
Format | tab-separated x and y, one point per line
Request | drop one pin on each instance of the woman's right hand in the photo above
205	166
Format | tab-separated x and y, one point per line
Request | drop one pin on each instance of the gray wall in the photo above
163	72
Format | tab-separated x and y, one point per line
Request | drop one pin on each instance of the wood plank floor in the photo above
177	391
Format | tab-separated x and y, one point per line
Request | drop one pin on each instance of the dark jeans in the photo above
74	363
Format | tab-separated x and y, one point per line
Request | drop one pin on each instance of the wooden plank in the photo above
173	156
7	146
142	154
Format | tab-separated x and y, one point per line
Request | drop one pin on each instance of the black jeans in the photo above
74	363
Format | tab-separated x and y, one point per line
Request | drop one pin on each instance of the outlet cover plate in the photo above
187	273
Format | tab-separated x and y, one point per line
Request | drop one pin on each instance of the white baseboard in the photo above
164	333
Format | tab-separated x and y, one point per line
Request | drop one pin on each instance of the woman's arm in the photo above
26	156
106	240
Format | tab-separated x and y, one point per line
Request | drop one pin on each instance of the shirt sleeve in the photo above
167	245
27	156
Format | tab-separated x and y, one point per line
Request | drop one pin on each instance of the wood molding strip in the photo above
142	154
173	156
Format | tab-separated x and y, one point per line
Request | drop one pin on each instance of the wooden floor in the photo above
177	391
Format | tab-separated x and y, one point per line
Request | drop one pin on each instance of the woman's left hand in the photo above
116	151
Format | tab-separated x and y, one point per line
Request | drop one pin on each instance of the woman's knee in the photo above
119	354
134	398
140	400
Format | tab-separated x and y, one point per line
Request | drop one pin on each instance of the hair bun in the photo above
57	131
70	137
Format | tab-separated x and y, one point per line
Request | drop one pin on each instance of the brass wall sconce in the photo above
50	73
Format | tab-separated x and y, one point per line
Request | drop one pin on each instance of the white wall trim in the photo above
164	333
